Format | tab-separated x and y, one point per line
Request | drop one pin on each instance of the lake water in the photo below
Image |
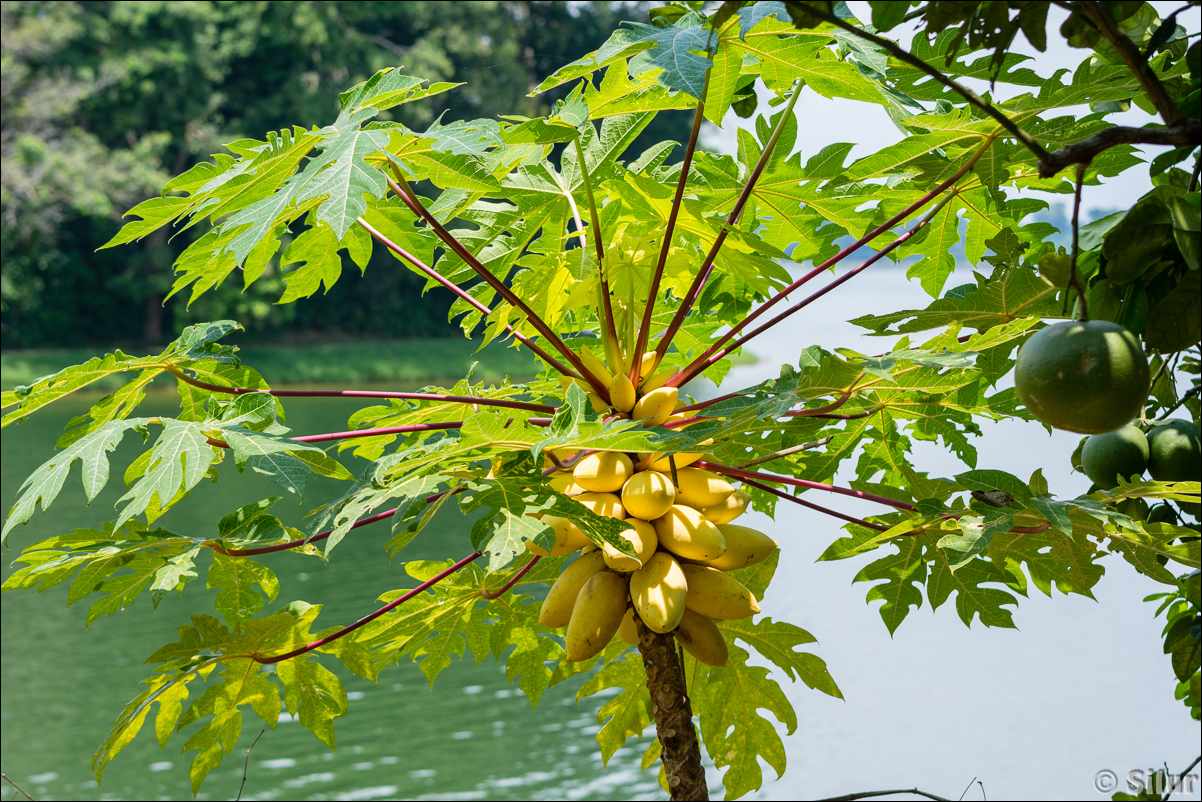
1034	713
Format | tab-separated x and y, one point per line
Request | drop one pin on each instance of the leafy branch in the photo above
1181	131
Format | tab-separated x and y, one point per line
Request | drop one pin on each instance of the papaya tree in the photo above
629	276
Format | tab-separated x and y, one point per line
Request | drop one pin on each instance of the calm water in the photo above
1080	687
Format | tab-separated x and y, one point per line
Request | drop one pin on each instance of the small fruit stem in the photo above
681	749
1074	280
653	291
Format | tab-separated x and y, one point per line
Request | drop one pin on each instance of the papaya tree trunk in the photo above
681	751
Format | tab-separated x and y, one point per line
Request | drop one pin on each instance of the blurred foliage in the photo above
104	102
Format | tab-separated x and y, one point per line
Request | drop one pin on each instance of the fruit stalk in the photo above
681	750
1073	281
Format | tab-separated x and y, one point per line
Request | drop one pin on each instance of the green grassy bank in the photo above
417	361
408	362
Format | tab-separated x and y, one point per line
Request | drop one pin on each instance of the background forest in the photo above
104	102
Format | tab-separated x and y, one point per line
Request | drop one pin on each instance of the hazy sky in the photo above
822	121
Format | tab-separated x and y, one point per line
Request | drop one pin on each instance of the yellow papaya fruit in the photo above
687	533
603	471
557	607
699	488
647	366
728	509
568	538
700	637
658	591
659	461
621	393
655	406
606	504
564	483
596	367
627	630
648	495
744	546
598	611
717	595
641	536
649	382
597	403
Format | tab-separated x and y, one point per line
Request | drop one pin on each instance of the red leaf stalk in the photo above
317	644
788	480
707	266
812	506
455	399
710	357
513	580
401	188
608	312
871	235
416	427
636	358
450	285
295	544
292	544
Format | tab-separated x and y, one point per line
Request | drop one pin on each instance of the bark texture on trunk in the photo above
681	752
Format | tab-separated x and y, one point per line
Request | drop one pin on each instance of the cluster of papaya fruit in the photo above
684	543
680	533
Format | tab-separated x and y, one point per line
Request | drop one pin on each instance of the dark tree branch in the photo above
1112	32
246	764
1185	132
9	780
914	61
871	794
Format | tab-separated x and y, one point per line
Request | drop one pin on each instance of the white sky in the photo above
822	121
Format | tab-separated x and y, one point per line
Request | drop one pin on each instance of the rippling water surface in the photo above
1080	687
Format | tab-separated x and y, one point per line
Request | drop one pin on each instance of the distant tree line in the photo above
103	102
